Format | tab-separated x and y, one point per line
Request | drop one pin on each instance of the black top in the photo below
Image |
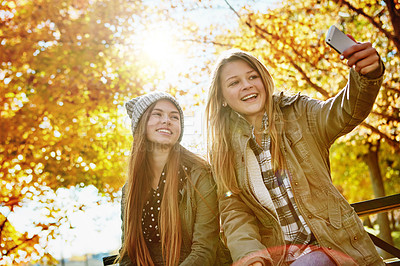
151	209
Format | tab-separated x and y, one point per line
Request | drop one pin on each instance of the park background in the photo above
67	67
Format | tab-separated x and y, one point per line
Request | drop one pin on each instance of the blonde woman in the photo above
169	203
270	157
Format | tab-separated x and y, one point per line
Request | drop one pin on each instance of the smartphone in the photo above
339	41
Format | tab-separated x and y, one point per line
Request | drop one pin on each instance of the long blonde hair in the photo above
221	153
138	186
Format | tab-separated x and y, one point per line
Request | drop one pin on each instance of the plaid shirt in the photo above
297	234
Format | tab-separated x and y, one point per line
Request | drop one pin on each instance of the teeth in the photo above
164	131
248	97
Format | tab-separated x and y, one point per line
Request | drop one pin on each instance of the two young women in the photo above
270	158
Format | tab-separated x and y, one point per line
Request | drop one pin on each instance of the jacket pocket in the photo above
297	143
325	206
354	239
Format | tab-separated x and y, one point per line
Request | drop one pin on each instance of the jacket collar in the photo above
239	124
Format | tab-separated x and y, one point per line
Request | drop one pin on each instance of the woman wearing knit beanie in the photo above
169	203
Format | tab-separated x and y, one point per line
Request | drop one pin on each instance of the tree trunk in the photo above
394	13
367	222
372	161
393	220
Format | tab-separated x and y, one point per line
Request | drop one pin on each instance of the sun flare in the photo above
159	47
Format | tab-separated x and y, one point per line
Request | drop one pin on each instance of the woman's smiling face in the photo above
243	89
164	126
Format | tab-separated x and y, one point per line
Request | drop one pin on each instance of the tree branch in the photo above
317	88
395	144
395	18
231	8
295	65
2	225
386	87
386	116
25	241
208	42
391	6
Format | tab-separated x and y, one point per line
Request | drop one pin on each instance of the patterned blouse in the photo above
152	207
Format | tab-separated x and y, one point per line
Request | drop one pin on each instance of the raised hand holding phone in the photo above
362	56
339	41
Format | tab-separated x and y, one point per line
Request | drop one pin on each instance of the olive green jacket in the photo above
308	128
199	218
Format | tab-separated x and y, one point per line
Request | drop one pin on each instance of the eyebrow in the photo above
161	110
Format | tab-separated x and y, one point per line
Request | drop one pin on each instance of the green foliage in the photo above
349	172
351	175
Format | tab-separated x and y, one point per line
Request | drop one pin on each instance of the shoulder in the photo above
194	163
297	103
283	100
200	175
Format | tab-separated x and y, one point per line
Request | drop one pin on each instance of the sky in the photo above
98	228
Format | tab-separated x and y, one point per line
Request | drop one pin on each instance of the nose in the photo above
165	119
246	84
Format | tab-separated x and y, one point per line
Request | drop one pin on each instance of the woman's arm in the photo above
340	114
242	232
206	224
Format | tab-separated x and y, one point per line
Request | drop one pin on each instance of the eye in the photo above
233	83
175	117
254	76
156	113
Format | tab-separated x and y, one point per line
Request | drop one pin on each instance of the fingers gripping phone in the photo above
338	40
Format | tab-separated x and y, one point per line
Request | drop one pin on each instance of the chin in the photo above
163	144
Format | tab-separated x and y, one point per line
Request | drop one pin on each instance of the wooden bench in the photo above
383	204
368	207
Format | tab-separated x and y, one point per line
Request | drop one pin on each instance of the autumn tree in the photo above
67	66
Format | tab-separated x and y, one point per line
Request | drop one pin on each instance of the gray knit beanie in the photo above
137	106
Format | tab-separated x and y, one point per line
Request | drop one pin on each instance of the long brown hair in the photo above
138	185
220	148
